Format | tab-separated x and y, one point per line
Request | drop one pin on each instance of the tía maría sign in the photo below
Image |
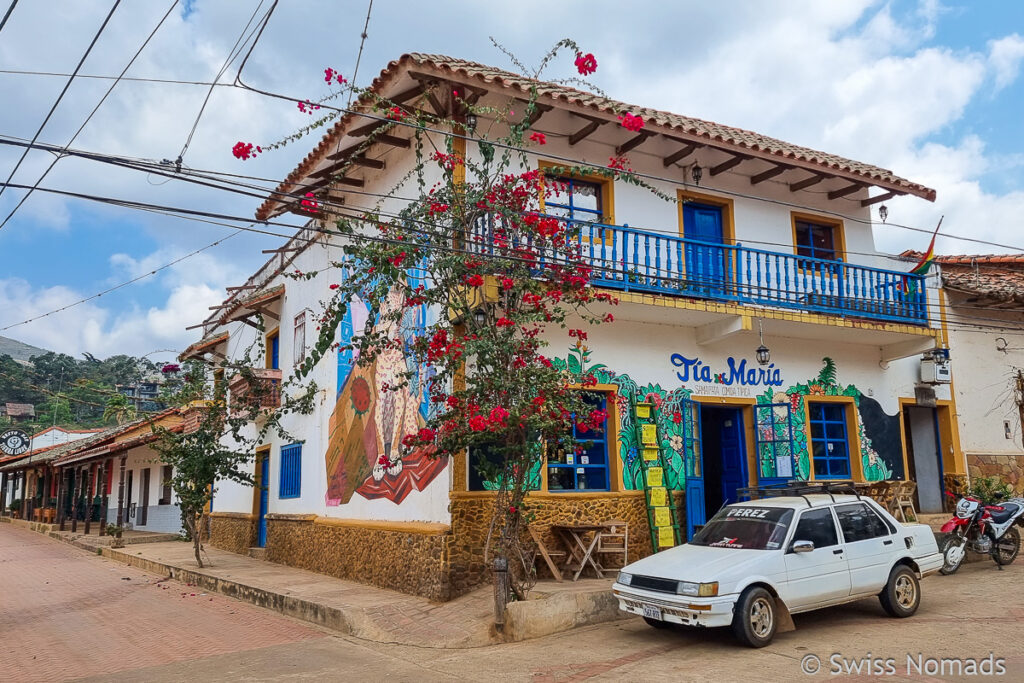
14	442
737	374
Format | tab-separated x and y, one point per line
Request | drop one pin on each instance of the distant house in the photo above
144	394
21	412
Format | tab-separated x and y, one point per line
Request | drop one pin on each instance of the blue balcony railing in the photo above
636	260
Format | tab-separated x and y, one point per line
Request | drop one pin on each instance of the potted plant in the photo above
15	507
115	532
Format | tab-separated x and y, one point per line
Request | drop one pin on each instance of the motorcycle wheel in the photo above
953	550
1005	550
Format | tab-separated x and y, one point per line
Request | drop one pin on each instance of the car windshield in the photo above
746	526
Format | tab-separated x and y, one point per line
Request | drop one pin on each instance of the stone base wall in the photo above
406	557
1009	468
234	531
471	515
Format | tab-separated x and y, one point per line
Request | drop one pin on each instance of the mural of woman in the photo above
371	418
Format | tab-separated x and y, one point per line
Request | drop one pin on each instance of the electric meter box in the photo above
933	372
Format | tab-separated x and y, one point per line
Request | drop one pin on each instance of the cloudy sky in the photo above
930	89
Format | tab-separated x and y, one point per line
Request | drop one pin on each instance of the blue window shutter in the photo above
291	471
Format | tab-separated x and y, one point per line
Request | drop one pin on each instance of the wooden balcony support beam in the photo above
393	141
880	198
428	84
770	173
726	165
807	182
680	155
632	143
842	192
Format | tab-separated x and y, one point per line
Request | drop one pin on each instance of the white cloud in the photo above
1005	56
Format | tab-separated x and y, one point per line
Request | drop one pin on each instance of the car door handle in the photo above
889	542
837	552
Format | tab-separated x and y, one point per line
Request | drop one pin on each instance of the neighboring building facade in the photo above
775	238
20	412
985	297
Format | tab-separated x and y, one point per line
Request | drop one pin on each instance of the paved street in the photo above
67	614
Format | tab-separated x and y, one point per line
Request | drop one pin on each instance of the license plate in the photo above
652	612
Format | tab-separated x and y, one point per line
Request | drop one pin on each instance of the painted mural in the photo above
364	453
876	467
782	428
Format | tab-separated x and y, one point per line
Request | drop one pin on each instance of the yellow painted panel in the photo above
659	496
650	454
666	537
655	477
662	517
649	434
643	410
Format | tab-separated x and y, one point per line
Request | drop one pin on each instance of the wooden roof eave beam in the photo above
880	198
807	182
587	130
849	189
633	142
770	173
736	160
680	154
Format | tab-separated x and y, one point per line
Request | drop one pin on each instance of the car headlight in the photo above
625	579
702	590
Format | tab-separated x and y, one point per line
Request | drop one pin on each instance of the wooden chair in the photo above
904	498
615	540
548	555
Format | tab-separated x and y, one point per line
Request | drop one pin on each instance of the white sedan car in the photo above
756	563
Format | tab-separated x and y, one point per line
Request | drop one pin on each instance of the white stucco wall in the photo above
160	518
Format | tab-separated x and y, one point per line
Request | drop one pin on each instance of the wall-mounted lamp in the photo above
471	123
480	317
696	173
763	354
883	212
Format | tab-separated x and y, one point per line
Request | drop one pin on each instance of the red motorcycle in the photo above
985	529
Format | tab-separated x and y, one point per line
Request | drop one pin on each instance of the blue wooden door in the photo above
734	456
705	263
261	540
275	352
694	488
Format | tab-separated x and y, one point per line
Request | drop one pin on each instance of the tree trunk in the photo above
193	529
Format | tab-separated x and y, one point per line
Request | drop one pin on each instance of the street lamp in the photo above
883	212
471	123
696	173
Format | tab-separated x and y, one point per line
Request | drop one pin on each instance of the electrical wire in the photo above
7	14
88	118
359	55
62	93
714	286
232	55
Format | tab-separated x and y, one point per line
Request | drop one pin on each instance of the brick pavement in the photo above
68	614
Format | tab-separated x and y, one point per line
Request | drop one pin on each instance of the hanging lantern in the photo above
883	212
696	173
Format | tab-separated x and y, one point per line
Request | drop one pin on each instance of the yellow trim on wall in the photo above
261	452
958	452
269	337
852	433
954	462
838	236
728	212
607	193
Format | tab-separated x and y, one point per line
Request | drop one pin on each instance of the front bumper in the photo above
678	609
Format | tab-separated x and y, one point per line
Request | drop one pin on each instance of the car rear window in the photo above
746	526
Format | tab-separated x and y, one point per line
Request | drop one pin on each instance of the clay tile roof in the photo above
202	345
997	277
21	410
715	134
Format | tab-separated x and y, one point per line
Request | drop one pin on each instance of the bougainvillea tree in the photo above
501	278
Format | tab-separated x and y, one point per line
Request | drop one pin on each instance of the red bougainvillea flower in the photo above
397	259
619	163
504	322
332	75
498	415
507	283
539	138
396	114
170	367
245	150
334	286
586	64
478	423
609	318
308	107
475	280
310	203
631	122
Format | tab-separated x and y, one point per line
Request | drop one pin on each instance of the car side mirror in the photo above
802	546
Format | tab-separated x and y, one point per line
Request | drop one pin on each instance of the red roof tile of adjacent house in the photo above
724	137
996	277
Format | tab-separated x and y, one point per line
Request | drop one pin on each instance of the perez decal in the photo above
759	513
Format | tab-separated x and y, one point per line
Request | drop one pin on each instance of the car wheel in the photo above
657	623
1005	550
754	619
902	594
953	550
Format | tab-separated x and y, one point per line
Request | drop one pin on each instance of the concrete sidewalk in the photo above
360	610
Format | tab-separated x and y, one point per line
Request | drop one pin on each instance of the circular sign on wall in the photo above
14	442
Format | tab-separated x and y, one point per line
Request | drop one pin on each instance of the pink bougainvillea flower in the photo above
245	150
332	75
586	64
631	122
539	138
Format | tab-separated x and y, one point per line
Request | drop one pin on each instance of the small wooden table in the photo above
580	551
